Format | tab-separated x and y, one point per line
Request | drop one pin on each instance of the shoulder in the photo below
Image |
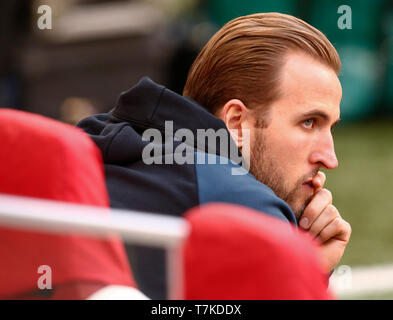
220	180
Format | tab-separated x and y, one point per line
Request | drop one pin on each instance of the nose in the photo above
324	154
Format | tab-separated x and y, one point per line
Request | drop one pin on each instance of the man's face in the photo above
297	142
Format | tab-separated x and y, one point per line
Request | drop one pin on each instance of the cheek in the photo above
294	146
292	152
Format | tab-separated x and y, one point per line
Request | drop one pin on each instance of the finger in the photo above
319	181
323	220
338	229
320	201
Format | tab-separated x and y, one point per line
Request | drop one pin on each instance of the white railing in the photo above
362	282
160	231
133	227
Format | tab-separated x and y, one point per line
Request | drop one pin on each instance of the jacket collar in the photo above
149	105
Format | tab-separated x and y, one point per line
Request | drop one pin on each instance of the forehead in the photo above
307	84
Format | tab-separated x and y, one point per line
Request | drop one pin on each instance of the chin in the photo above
298	211
298	207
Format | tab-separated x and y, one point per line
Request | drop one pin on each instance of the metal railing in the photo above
132	226
160	231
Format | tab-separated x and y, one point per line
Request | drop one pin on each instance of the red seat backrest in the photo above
47	159
238	253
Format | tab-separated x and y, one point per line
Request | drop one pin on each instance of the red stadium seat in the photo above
238	253
44	158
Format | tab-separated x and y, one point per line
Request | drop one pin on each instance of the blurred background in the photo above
98	48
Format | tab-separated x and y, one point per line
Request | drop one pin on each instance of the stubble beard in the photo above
267	170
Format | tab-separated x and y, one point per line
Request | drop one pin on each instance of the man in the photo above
267	79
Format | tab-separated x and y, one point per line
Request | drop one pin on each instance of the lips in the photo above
308	184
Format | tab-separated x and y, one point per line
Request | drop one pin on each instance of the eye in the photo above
309	123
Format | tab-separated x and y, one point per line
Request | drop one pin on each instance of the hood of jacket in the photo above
148	105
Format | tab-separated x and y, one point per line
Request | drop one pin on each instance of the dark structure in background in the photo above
95	50
14	25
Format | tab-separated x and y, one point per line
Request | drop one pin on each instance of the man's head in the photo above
274	75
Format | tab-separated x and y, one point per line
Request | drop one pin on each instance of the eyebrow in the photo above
321	114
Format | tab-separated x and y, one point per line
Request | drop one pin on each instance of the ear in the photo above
237	118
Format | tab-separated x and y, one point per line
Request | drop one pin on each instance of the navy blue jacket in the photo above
168	188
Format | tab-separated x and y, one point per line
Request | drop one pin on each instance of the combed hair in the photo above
244	58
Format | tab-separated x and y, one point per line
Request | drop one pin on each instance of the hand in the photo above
323	221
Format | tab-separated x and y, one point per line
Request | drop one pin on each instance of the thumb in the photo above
319	181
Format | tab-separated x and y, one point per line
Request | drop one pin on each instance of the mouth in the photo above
308	184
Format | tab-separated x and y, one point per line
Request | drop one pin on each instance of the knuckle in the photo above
312	213
337	222
327	193
348	227
314	229
323	235
333	211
